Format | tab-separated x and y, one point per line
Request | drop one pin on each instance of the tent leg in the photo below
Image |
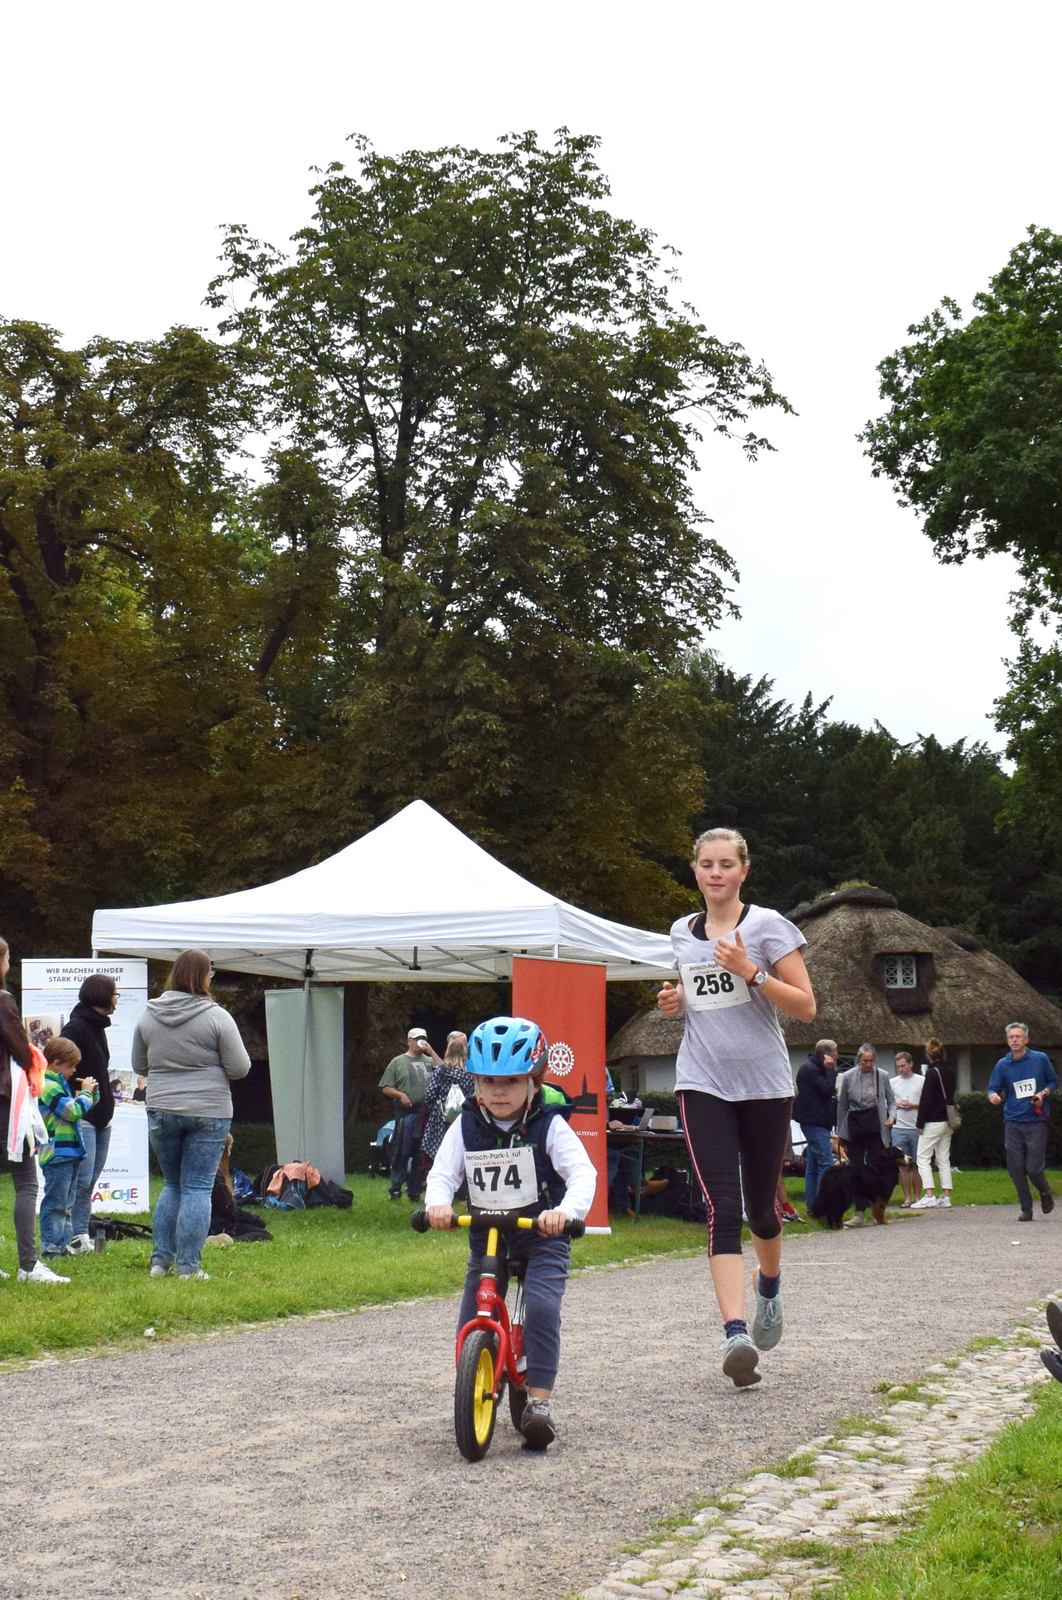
306	976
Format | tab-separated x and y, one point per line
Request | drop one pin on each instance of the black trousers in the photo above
736	1145
24	1176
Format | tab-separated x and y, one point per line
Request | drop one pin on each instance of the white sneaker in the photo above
928	1202
185	1277
40	1274
79	1245
944	1203
158	1271
4	1274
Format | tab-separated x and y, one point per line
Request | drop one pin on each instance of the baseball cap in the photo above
416	1033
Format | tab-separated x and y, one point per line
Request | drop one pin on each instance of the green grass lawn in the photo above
322	1260
993	1534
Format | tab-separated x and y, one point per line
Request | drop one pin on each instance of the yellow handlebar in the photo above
521	1222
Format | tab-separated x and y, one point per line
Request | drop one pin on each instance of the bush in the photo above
254	1146
980	1143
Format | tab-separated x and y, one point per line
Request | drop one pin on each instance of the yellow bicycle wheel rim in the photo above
482	1404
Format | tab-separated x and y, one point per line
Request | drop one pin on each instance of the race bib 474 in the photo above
501	1180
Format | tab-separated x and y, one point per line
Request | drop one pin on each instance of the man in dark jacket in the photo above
815	1109
87	1027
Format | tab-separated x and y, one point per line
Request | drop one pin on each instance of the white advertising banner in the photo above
123	1183
49	994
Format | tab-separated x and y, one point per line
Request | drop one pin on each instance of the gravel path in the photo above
316	1460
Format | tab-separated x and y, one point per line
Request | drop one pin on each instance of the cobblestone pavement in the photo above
317	1459
856	1488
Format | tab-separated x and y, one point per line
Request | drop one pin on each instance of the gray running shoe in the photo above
740	1359
1047	1202
767	1328
536	1425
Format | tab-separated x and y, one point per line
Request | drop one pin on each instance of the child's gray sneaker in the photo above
536	1425
767	1328
740	1359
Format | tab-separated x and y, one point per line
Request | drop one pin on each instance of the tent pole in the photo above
307	974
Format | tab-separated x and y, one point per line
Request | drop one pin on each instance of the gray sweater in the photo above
189	1048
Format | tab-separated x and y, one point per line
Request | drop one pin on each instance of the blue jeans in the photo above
406	1164
188	1151
60	1184
544	1279
819	1156
622	1176
97	1142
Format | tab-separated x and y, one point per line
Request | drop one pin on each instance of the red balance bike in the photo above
490	1348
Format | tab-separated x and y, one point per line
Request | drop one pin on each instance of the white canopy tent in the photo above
412	901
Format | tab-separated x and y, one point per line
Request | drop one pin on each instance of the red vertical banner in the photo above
567	1000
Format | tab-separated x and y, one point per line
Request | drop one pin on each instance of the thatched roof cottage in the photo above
881	976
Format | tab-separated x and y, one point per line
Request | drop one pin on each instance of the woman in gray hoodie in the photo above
189	1048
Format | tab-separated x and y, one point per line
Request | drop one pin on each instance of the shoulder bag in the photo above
953	1114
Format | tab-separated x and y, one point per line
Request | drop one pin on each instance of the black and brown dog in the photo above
870	1190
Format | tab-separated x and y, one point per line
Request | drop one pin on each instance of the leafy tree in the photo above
822	802
487	369
972	439
145	590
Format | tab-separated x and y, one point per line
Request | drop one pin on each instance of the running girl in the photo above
739	966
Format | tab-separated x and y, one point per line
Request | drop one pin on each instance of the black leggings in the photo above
735	1145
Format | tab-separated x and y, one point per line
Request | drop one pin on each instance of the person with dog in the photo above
1022	1083
934	1127
907	1087
405	1082
815	1109
739	966
866	1113
554	1182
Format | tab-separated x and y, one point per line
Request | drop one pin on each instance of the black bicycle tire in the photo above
471	1446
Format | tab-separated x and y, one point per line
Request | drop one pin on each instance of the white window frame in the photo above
901	972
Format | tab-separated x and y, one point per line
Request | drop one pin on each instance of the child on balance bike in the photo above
546	1174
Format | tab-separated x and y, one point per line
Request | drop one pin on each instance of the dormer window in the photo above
901	972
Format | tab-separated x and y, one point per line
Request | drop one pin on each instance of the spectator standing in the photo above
866	1111
907	1087
449	1074
405	1082
1022	1083
189	1048
815	1110
15	1049
87	1028
61	1157
938	1095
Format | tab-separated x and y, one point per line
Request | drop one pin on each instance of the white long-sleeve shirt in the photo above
563	1147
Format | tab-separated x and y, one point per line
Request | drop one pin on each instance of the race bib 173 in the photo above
501	1180
1024	1088
711	988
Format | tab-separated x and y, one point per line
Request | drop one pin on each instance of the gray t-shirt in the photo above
735	1049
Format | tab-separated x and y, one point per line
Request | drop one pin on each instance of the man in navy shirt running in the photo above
1022	1083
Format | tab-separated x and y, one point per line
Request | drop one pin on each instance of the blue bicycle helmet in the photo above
507	1047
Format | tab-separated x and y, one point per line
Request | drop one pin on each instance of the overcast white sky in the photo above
828	171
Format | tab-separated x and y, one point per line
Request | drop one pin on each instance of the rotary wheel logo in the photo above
561	1059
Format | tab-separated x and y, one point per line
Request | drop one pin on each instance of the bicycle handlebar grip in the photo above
576	1228
418	1221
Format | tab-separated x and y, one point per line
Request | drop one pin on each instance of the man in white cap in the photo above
404	1082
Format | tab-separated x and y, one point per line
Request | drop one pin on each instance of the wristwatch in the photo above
759	978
